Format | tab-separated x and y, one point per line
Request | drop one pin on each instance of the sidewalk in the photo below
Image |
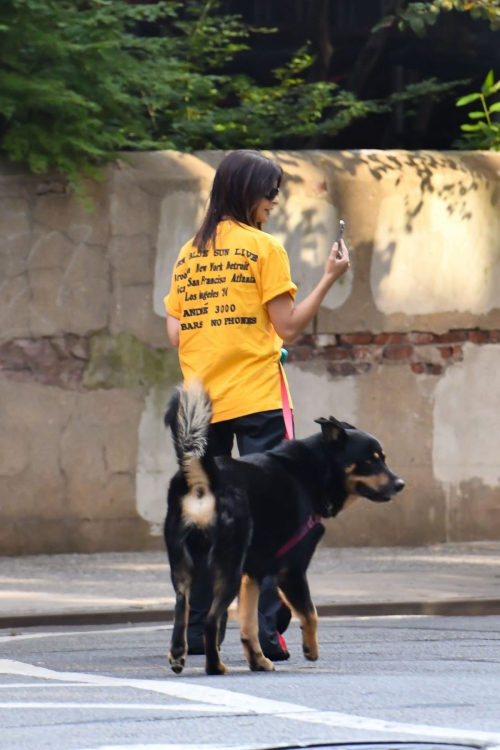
461	579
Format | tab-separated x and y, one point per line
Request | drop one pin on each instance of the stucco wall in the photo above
407	345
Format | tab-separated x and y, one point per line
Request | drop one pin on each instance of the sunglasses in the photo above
272	194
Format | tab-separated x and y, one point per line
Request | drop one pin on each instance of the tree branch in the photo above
370	54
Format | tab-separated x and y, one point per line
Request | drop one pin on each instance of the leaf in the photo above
417	25
470	128
467	99
485	127
488	83
477	115
495	107
494	88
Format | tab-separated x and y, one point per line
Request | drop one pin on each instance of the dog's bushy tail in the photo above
188	416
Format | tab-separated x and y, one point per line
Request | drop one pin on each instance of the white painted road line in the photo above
251	704
41	685
213	747
123	706
178	747
81	633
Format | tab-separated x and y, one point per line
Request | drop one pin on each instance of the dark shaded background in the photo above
374	64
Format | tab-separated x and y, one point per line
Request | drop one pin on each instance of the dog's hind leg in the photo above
181	579
226	585
294	589
248	603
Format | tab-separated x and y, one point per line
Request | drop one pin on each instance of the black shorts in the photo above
255	433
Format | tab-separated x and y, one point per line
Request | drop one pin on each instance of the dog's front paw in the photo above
217	668
311	652
262	664
177	662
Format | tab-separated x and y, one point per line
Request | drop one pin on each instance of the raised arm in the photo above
289	320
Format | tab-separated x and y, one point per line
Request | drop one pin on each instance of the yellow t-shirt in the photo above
226	337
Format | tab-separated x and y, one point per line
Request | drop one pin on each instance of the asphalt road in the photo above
398	678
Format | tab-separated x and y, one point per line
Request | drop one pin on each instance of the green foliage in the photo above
417	16
484	134
83	80
70	83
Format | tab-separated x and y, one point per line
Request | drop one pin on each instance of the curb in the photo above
448	608
439	608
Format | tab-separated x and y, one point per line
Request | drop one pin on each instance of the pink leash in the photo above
287	411
289	435
306	528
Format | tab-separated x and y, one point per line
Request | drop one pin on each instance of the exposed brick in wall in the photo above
61	360
81	363
356	353
55	360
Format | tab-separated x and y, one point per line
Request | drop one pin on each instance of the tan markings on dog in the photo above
218	585
375	482
350	469
350	500
182	581
309	627
195	474
198	509
375	455
198	506
249	626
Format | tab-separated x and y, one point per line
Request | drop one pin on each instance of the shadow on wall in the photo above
436	235
429	211
424	169
181	212
307	223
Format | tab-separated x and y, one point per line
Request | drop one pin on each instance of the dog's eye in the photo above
365	467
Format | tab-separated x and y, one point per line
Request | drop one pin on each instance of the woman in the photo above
230	307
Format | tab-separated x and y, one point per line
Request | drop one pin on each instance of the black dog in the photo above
258	515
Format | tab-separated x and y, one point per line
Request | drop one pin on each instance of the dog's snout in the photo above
399	484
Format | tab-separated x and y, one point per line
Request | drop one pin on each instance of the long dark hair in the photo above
241	180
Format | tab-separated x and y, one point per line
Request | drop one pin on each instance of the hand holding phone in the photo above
342	227
338	260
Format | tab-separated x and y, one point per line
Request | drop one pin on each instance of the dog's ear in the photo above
348	426
333	430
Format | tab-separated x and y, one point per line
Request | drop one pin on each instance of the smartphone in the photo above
341	233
